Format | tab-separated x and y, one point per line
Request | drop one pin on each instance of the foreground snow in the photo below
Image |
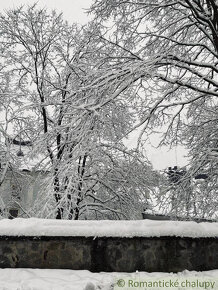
44	279
141	228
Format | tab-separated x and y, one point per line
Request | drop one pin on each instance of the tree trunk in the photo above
81	171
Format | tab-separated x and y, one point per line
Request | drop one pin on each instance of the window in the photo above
13	213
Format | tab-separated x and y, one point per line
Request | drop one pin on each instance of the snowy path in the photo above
44	279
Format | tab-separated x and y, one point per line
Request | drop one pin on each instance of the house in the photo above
18	185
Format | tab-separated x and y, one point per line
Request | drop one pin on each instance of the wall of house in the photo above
19	190
161	254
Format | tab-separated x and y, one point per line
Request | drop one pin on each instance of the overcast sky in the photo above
74	11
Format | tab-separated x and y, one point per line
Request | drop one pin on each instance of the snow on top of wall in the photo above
106	228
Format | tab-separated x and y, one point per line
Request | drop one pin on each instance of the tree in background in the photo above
74	117
171	50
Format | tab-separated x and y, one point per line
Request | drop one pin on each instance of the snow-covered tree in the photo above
171	50
72	115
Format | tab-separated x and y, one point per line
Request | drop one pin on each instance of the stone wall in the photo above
164	254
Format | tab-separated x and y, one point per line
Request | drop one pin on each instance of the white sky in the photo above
74	11
163	157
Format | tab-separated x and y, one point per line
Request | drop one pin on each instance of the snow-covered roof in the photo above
106	228
27	161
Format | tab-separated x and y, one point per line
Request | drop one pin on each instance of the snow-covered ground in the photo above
44	279
140	228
